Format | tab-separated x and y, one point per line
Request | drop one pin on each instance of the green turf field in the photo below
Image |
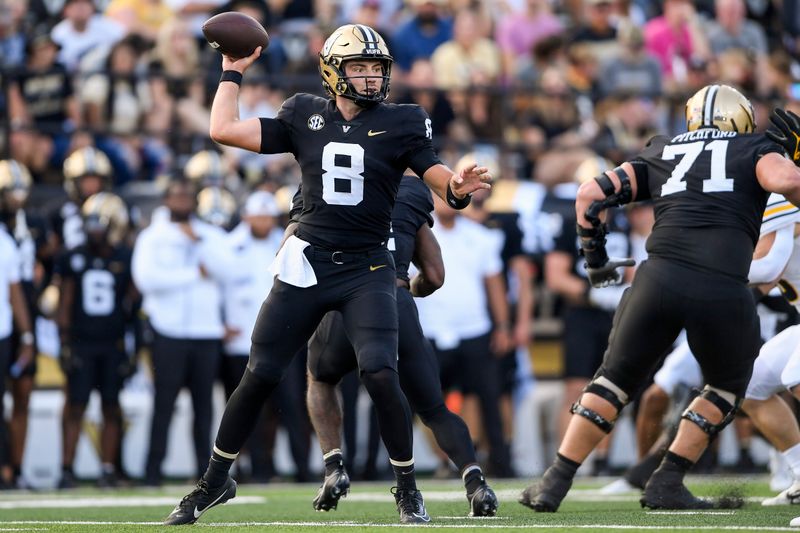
286	507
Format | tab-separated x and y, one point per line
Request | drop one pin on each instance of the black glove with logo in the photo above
786	132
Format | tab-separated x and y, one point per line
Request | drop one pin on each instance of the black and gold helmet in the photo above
14	176
205	169
216	206
106	211
353	41
86	161
721	107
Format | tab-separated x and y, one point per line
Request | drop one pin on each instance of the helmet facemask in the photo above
348	43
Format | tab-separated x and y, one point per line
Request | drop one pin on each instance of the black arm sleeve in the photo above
276	133
640	163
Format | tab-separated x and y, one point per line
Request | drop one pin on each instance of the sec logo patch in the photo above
316	122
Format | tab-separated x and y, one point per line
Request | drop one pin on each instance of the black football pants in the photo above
365	295
331	356
179	363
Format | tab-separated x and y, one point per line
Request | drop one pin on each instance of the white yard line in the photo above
115	501
374	525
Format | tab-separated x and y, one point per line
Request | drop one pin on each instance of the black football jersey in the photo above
101	283
708	202
411	210
350	170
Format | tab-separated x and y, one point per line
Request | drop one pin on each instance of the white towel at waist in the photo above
292	266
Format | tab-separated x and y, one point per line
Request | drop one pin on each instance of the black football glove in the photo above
786	132
607	274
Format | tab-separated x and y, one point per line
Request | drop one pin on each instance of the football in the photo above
235	34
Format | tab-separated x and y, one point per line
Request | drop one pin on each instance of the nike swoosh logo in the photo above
371	133
373	268
209	506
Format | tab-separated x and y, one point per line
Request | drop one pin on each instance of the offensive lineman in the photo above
709	189
352	149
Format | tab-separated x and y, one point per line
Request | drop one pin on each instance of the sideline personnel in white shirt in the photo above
178	265
12	309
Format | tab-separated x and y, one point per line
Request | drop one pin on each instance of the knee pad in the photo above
727	402
604	388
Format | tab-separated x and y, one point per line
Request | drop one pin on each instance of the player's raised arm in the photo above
226	128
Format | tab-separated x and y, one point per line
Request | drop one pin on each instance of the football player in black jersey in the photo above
331	356
709	187
94	308
35	244
353	150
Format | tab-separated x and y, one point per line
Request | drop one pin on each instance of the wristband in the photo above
26	338
231	75
457	203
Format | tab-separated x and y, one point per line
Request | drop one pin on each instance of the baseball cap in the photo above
260	203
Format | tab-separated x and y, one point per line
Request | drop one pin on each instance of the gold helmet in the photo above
107	212
353	41
14	176
216	206
85	162
205	168
721	107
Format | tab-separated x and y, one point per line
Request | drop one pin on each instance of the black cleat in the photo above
410	506
200	500
483	502
671	495
336	485
67	480
547	495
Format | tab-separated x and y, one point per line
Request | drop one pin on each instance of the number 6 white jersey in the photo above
706	197
351	169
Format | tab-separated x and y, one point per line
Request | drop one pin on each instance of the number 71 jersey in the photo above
707	200
351	170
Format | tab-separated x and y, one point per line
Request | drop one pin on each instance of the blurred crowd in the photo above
114	95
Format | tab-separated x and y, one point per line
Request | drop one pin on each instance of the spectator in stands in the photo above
12	33
468	346
179	99
116	102
628	122
83	30
598	28
732	30
178	264
42	106
418	37
12	311
194	12
466	61
677	40
518	33
421	91
633	69
139	17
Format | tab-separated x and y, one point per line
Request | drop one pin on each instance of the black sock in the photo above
638	474
218	468
564	466
406	478
333	461
473	478
66	469
675	464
